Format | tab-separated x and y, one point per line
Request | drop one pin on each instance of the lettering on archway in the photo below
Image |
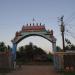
33	30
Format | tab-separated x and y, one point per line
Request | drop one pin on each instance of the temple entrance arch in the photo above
32	30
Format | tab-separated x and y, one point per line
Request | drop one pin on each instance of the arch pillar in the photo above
14	54
54	57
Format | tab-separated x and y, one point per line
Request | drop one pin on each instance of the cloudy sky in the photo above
16	13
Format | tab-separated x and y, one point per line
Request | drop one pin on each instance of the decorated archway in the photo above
32	30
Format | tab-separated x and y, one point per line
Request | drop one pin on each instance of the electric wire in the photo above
70	18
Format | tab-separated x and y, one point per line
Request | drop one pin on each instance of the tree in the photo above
21	49
25	53
29	52
3	47
69	45
58	48
50	57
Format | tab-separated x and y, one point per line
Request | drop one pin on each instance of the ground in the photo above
34	70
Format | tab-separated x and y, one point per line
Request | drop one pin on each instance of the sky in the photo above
16	13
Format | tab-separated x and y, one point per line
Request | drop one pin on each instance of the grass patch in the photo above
68	73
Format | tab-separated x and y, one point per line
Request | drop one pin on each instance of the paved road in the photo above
34	70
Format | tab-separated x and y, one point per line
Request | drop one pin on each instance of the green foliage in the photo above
3	47
68	73
50	57
69	45
58	48
32	53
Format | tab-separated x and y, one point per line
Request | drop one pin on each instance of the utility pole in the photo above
62	32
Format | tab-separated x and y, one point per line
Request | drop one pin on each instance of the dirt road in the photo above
34	70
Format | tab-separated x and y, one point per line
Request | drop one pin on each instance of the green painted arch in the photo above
47	37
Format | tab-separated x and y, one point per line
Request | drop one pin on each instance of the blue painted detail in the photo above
14	51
